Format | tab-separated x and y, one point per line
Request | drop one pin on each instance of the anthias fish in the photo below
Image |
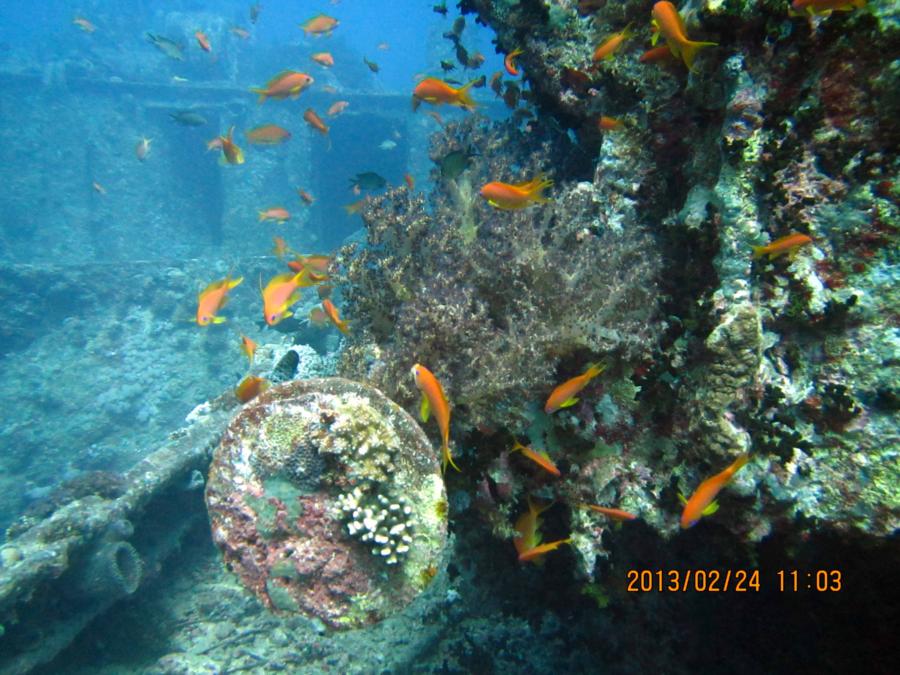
608	48
276	213
213	298
250	387
437	92
288	83
313	120
516	196
332	313
321	24
268	134
539	457
509	62
563	396
703	501
668	23
231	153
782	246
528	543
434	399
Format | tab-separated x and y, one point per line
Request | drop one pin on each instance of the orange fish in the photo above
319	24
323	59
203	41
281	247
433	398
242	33
277	213
98	188
250	387
657	54
516	196
213	298
231	152
824	7
669	24
280	293
268	134
248	346
564	394
332	312
410	181
142	149
435	91
315	121
318	317
605	123
609	47
307	198
355	207
317	264
288	83
614	514
509	62
528	543
84	24
702	502
337	108
539	457
782	246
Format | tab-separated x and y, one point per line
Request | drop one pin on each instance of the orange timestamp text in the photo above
731	580
691	580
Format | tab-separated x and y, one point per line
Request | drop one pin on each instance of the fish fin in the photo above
654	27
448	459
465	98
689	51
569	402
759	251
711	508
537	187
218	319
424	409
682	499
595	369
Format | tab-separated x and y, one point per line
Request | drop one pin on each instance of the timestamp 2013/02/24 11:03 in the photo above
731	580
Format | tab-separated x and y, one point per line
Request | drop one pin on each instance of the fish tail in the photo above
537	187
759	251
464	96
262	216
595	369
447	459
689	51
740	463
263	94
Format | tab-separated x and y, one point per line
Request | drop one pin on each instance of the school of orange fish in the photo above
284	290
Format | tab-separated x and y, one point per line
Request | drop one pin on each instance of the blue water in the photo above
101	357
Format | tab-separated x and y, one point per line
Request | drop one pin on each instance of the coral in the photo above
322	496
561	281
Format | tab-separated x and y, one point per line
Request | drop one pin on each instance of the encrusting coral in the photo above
324	497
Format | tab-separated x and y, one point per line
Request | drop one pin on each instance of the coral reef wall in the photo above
649	258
